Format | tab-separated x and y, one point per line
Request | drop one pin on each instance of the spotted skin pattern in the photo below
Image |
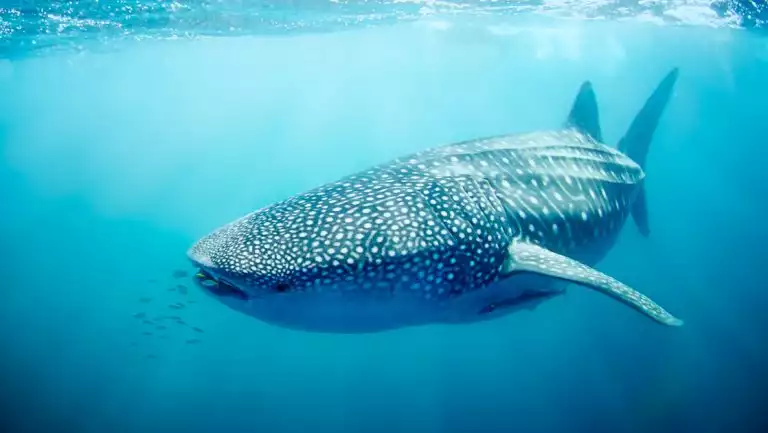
438	221
425	238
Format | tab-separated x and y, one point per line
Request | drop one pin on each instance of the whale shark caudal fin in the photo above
638	138
585	118
526	257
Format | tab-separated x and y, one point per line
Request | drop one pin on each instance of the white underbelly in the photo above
339	312
358	311
504	297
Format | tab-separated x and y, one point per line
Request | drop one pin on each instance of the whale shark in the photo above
454	234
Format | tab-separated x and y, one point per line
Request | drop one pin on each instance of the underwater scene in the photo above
534	216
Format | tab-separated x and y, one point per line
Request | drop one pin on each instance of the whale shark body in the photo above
459	233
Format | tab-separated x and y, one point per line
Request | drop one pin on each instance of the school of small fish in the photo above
166	323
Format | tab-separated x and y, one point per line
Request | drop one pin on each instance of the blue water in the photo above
123	144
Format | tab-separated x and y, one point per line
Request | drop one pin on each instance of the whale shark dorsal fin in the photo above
584	115
526	257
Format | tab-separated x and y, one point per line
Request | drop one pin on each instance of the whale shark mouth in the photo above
217	286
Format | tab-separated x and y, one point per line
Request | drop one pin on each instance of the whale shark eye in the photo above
282	287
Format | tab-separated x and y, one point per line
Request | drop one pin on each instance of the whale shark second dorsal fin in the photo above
584	115
527	257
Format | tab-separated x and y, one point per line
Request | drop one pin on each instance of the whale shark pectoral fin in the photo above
525	257
584	115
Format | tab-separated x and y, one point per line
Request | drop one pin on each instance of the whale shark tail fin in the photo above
584	115
638	138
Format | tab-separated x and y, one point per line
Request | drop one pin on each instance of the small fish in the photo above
145	300
171	289
147	322
196	329
163	337
140	315
147	333
182	289
160	327
193	341
180	273
151	356
176	306
205	280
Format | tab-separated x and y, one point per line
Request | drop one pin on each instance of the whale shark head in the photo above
241	260
352	273
332	259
